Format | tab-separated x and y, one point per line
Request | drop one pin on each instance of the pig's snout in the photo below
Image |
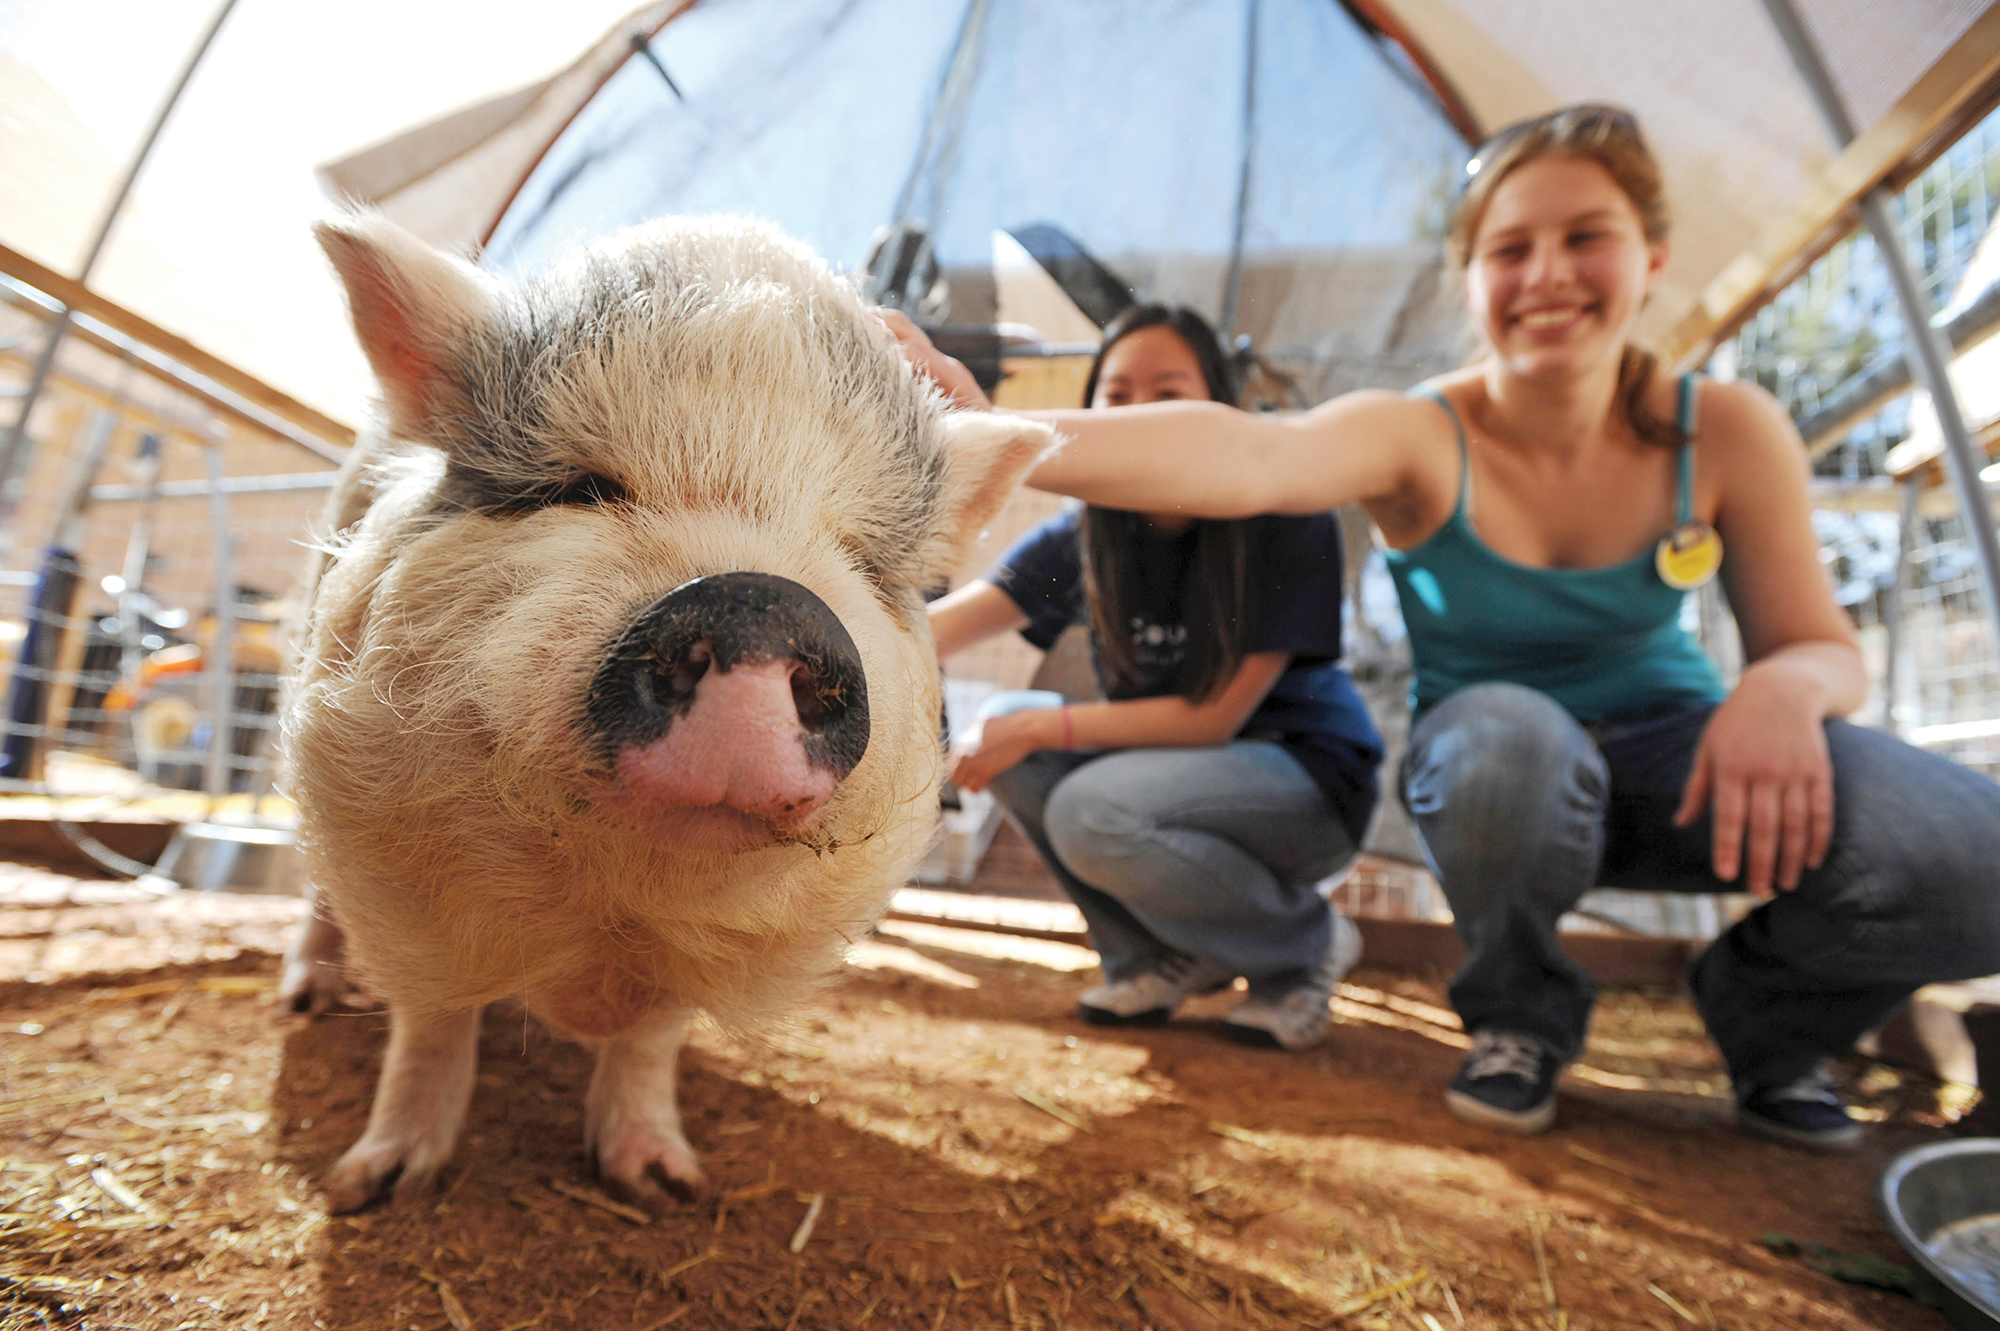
740	690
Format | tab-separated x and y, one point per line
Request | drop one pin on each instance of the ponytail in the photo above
1635	377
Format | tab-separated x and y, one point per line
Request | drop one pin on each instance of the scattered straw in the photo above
591	1197
803	1234
1535	1226
1236	1134
670	1318
770	1187
1671	1302
1188	1292
208	984
1379	1293
251	1121
809	1297
1451	1302
1615	1166
118	1190
236	984
667	1276
1054	1110
454	1311
168	1014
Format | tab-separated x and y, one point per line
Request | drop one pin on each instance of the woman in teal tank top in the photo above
1546	507
1593	639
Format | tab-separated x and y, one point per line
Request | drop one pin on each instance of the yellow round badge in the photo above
1688	556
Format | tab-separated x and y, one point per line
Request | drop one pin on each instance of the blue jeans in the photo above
1520	810
1210	852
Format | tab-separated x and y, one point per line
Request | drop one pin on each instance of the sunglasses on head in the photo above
1588	119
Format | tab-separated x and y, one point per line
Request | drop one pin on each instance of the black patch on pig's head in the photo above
511	450
465	489
650	674
500	458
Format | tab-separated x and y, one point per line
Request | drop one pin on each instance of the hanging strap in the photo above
1684	420
1464	462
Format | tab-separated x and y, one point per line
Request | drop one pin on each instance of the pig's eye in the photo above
588	491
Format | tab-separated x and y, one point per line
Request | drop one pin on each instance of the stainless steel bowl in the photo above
1943	1202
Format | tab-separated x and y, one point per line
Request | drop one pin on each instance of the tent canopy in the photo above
1124	123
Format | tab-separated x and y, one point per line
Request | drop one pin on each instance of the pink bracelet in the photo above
1069	730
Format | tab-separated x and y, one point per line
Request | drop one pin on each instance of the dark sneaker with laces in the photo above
1508	1083
1807	1113
1150	997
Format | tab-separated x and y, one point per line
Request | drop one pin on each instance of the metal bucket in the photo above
1943	1202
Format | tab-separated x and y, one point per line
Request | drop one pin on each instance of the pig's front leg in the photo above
419	1108
312	979
632	1122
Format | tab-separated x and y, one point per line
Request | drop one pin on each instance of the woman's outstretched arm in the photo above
1210	461
1207	460
975	612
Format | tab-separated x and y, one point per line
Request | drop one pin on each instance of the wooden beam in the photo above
186	384
1376	14
1942	104
141	329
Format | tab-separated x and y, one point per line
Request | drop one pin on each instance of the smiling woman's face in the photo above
1152	364
1559	268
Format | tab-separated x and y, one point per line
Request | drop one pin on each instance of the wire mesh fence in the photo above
1909	578
155	533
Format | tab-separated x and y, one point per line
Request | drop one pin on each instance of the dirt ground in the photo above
940	1143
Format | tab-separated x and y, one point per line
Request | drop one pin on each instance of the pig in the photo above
616	694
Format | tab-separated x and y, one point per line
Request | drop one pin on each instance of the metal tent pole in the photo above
10	448
937	149
1232	292
1924	346
1895	610
219	674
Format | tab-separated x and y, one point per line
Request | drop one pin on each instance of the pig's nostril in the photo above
684	674
811	707
662	682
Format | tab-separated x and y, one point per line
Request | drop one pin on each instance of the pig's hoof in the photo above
313	979
310	986
656	1170
378	1167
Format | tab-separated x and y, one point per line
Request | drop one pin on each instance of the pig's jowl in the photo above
616	693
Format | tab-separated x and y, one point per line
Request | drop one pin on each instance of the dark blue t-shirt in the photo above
1313	710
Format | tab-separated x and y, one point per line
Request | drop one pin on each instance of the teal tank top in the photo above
1603	642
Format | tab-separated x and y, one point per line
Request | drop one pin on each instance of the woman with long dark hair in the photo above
1545	510
1233	764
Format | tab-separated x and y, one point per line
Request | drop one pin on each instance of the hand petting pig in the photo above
617	694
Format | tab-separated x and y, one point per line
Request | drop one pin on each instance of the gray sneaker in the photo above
1300	1017
1150	997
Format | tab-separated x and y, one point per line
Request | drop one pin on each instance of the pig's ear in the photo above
412	307
987	454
